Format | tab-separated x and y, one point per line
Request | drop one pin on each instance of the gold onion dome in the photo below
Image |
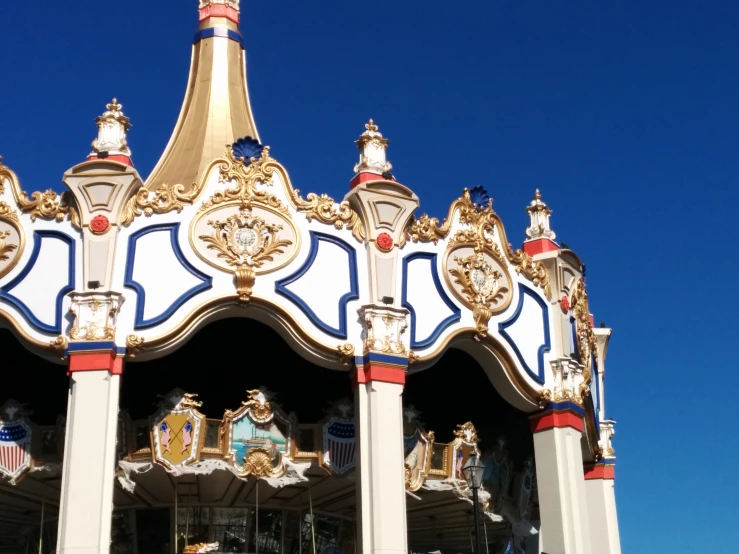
216	109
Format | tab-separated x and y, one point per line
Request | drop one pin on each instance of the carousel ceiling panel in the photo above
325	283
432	311
38	290
160	274
527	332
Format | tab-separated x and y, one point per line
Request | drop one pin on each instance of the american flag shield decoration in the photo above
339	444
15	448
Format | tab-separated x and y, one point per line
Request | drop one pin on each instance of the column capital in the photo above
379	367
557	415
95	356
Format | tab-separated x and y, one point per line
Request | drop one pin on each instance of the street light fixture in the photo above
472	472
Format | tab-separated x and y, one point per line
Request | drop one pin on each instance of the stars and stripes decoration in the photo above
339	444
15	448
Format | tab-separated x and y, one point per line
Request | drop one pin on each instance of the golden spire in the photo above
216	109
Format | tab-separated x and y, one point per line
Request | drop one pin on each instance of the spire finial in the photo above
372	148
539	214
112	129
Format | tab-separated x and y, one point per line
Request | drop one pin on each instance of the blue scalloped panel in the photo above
52	263
162	272
527	331
431	313
325	283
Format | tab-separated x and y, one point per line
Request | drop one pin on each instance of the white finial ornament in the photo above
112	129
372	148
230	3
539	214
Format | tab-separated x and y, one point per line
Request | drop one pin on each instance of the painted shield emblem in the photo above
339	444
15	448
176	438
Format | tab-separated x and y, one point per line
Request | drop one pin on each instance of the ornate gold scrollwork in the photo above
466	432
5	249
545	398
245	278
165	198
258	463
324	209
346	353
260	407
483	285
134	344
59	345
482	221
44	205
586	340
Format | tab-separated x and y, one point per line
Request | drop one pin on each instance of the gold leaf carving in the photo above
259	407
466	432
324	209
165	198
258	462
134	344
346	353
59	345
245	279
5	249
43	205
586	340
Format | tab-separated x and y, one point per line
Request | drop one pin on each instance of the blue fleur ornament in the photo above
247	148
479	196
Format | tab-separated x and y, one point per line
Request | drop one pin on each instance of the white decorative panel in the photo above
325	283
431	309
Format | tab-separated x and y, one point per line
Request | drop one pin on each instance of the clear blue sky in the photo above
623	113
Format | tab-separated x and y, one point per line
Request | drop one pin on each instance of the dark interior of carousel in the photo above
222	361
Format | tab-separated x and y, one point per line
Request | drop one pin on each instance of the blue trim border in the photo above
38	237
207	280
218	31
95	346
376	357
353	294
525	291
449	320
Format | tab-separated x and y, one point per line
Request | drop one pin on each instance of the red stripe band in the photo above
600	471
376	372
556	420
95	361
218	10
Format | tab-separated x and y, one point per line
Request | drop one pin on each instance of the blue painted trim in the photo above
218	31
565	406
207	280
607	461
378	358
38	237
95	346
353	294
523	290
450	320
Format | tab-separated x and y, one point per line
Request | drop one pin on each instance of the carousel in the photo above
208	360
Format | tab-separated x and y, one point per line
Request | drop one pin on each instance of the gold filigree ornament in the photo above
258	463
586	340
12	239
163	199
134	344
247	243
346	353
466	432
483	286
481	225
40	205
323	208
259	407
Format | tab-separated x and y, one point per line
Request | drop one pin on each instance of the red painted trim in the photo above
592	320
363	177
381	373
218	10
114	158
95	361
556	420
539	246
600	471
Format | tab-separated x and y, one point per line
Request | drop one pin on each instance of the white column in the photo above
89	458
381	511
599	489
562	501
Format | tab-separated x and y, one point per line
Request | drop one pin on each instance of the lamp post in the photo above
472	471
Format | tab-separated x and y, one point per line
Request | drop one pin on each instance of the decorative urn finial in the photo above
372	148
112	128
539	214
